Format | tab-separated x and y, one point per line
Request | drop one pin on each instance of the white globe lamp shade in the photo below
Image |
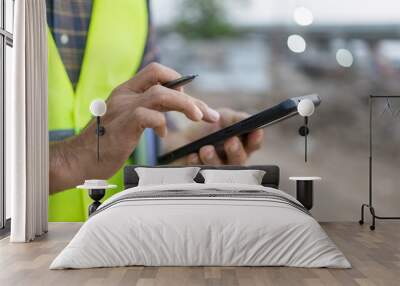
305	107
98	107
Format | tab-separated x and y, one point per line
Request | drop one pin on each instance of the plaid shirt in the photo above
68	21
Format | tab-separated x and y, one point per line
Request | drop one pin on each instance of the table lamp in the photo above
98	108
306	109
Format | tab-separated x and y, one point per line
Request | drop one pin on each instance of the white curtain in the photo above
26	128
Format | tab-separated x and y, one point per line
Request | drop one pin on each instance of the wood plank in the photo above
375	257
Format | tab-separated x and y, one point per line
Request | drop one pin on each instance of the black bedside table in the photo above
304	190
97	190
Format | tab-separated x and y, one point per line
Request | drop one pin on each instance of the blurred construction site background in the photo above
251	54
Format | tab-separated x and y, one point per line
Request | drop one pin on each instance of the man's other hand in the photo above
237	152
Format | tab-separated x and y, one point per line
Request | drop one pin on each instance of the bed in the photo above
199	224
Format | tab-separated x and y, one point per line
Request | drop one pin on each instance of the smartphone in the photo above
283	110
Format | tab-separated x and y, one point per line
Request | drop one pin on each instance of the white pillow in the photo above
163	176
248	177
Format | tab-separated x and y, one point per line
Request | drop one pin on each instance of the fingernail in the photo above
198	114
234	147
209	154
214	115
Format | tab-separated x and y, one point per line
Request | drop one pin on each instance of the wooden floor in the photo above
375	257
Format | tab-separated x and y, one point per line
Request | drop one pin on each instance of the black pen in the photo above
180	81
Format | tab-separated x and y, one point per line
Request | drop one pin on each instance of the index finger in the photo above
164	99
150	75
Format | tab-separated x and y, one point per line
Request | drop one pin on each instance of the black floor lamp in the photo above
369	205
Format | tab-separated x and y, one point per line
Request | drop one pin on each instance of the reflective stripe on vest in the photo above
61	134
114	48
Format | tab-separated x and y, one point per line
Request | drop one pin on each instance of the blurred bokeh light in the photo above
303	16
344	58
296	43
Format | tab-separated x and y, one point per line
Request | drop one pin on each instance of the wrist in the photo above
68	163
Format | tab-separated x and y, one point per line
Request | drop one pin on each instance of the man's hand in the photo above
133	106
237	152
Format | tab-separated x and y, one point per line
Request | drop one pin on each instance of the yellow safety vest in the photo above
114	48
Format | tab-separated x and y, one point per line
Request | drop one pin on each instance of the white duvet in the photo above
185	231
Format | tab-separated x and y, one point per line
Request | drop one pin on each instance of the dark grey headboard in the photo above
271	177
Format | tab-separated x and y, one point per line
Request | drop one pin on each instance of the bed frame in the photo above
270	179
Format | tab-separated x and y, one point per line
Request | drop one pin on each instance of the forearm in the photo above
68	164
